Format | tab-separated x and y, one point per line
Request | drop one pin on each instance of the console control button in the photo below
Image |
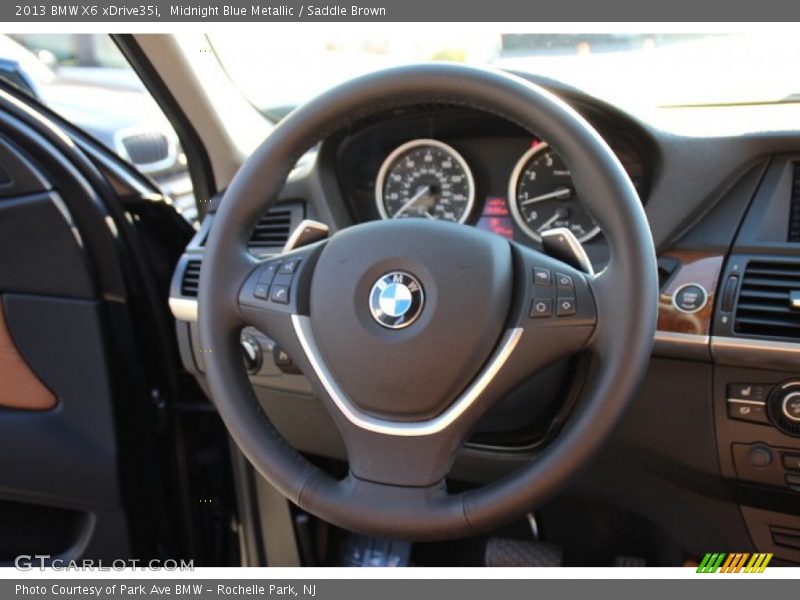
541	308
791	462
790	407
760	456
690	298
793	481
748	410
748	391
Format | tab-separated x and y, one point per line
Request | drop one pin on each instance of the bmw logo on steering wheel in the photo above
396	300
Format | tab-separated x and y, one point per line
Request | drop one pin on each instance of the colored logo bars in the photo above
734	563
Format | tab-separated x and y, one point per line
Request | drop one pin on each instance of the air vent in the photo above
191	279
794	211
273	229
764	306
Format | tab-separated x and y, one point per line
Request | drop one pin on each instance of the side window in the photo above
86	79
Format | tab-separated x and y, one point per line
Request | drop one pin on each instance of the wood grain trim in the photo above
20	388
695	267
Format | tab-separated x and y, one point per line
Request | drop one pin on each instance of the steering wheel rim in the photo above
419	506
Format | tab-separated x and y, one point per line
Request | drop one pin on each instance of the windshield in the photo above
279	71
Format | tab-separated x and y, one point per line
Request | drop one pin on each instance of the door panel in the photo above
20	388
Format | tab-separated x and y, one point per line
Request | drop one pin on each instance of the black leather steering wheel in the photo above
407	381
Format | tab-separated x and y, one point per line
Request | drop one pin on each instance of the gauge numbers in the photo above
543	196
425	179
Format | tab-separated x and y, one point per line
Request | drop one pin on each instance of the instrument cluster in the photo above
477	170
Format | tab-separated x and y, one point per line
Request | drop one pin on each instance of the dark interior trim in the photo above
199	163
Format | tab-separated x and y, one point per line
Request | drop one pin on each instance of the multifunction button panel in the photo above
553	294
275	280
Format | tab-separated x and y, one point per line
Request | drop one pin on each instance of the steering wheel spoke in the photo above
555	309
277	288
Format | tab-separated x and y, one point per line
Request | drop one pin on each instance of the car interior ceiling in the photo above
111	446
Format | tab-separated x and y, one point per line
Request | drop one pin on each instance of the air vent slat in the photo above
190	281
273	229
767	295
769	322
773	282
763	307
774	272
793	234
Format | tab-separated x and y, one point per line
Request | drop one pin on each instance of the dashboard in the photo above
714	435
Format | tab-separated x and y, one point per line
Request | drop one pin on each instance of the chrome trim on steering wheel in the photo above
302	329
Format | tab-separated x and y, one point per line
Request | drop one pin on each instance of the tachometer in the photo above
542	196
427	179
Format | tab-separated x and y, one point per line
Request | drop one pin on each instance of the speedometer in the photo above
426	179
542	196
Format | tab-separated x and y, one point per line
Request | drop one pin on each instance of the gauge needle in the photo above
562	193
559	214
422	191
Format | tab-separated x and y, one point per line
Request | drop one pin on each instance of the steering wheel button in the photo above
288	267
565	306
541	276
280	294
261	291
541	308
269	272
565	284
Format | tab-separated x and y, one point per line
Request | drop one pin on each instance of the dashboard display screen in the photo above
496	217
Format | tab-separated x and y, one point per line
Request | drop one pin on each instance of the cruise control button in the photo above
541	276
541	307
565	284
754	412
566	307
269	272
261	291
288	267
280	294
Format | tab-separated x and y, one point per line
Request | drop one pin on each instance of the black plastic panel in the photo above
65	456
40	251
18	176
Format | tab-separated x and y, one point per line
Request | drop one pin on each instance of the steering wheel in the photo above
409	330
